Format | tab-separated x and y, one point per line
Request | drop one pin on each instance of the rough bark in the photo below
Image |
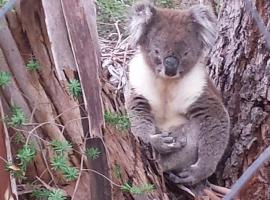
240	67
31	31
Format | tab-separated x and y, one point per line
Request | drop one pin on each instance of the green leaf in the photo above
74	88
17	119
32	65
119	121
5	78
71	173
137	190
60	147
17	116
26	155
126	187
56	195
92	153
40	194
59	163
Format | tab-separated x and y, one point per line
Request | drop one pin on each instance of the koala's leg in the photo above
187	137
214	124
143	124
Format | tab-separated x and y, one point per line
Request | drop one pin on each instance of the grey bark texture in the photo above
240	67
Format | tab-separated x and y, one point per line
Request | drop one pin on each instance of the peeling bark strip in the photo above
8	190
47	90
83	40
58	37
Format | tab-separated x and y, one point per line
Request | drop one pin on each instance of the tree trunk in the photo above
61	36
240	67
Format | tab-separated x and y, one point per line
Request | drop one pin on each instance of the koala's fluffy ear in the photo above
142	15
205	24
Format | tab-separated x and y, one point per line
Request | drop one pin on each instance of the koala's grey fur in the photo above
180	114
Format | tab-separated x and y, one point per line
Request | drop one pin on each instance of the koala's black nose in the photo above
171	65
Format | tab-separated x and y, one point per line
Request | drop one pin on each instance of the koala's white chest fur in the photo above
169	99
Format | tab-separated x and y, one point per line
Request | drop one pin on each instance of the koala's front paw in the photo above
189	176
164	143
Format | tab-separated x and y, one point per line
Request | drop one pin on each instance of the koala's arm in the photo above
212	118
143	124
141	119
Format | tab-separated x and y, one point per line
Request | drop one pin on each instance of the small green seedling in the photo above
41	194
26	155
119	121
5	78
137	190
74	88
56	194
32	65
60	147
17	116
59	163
71	173
92	153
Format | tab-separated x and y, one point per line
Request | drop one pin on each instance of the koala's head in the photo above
172	41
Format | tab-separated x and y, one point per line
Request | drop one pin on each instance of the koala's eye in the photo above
186	53
156	51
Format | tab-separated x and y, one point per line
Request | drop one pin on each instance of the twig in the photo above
8	153
72	120
118	33
48	167
48	187
96	172
3	159
40	125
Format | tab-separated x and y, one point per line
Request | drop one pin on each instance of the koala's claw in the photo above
188	176
172	177
165	138
164	143
182	178
184	174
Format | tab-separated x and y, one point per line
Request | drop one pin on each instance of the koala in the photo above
171	102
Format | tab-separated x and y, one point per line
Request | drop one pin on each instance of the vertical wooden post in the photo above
80	21
84	46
